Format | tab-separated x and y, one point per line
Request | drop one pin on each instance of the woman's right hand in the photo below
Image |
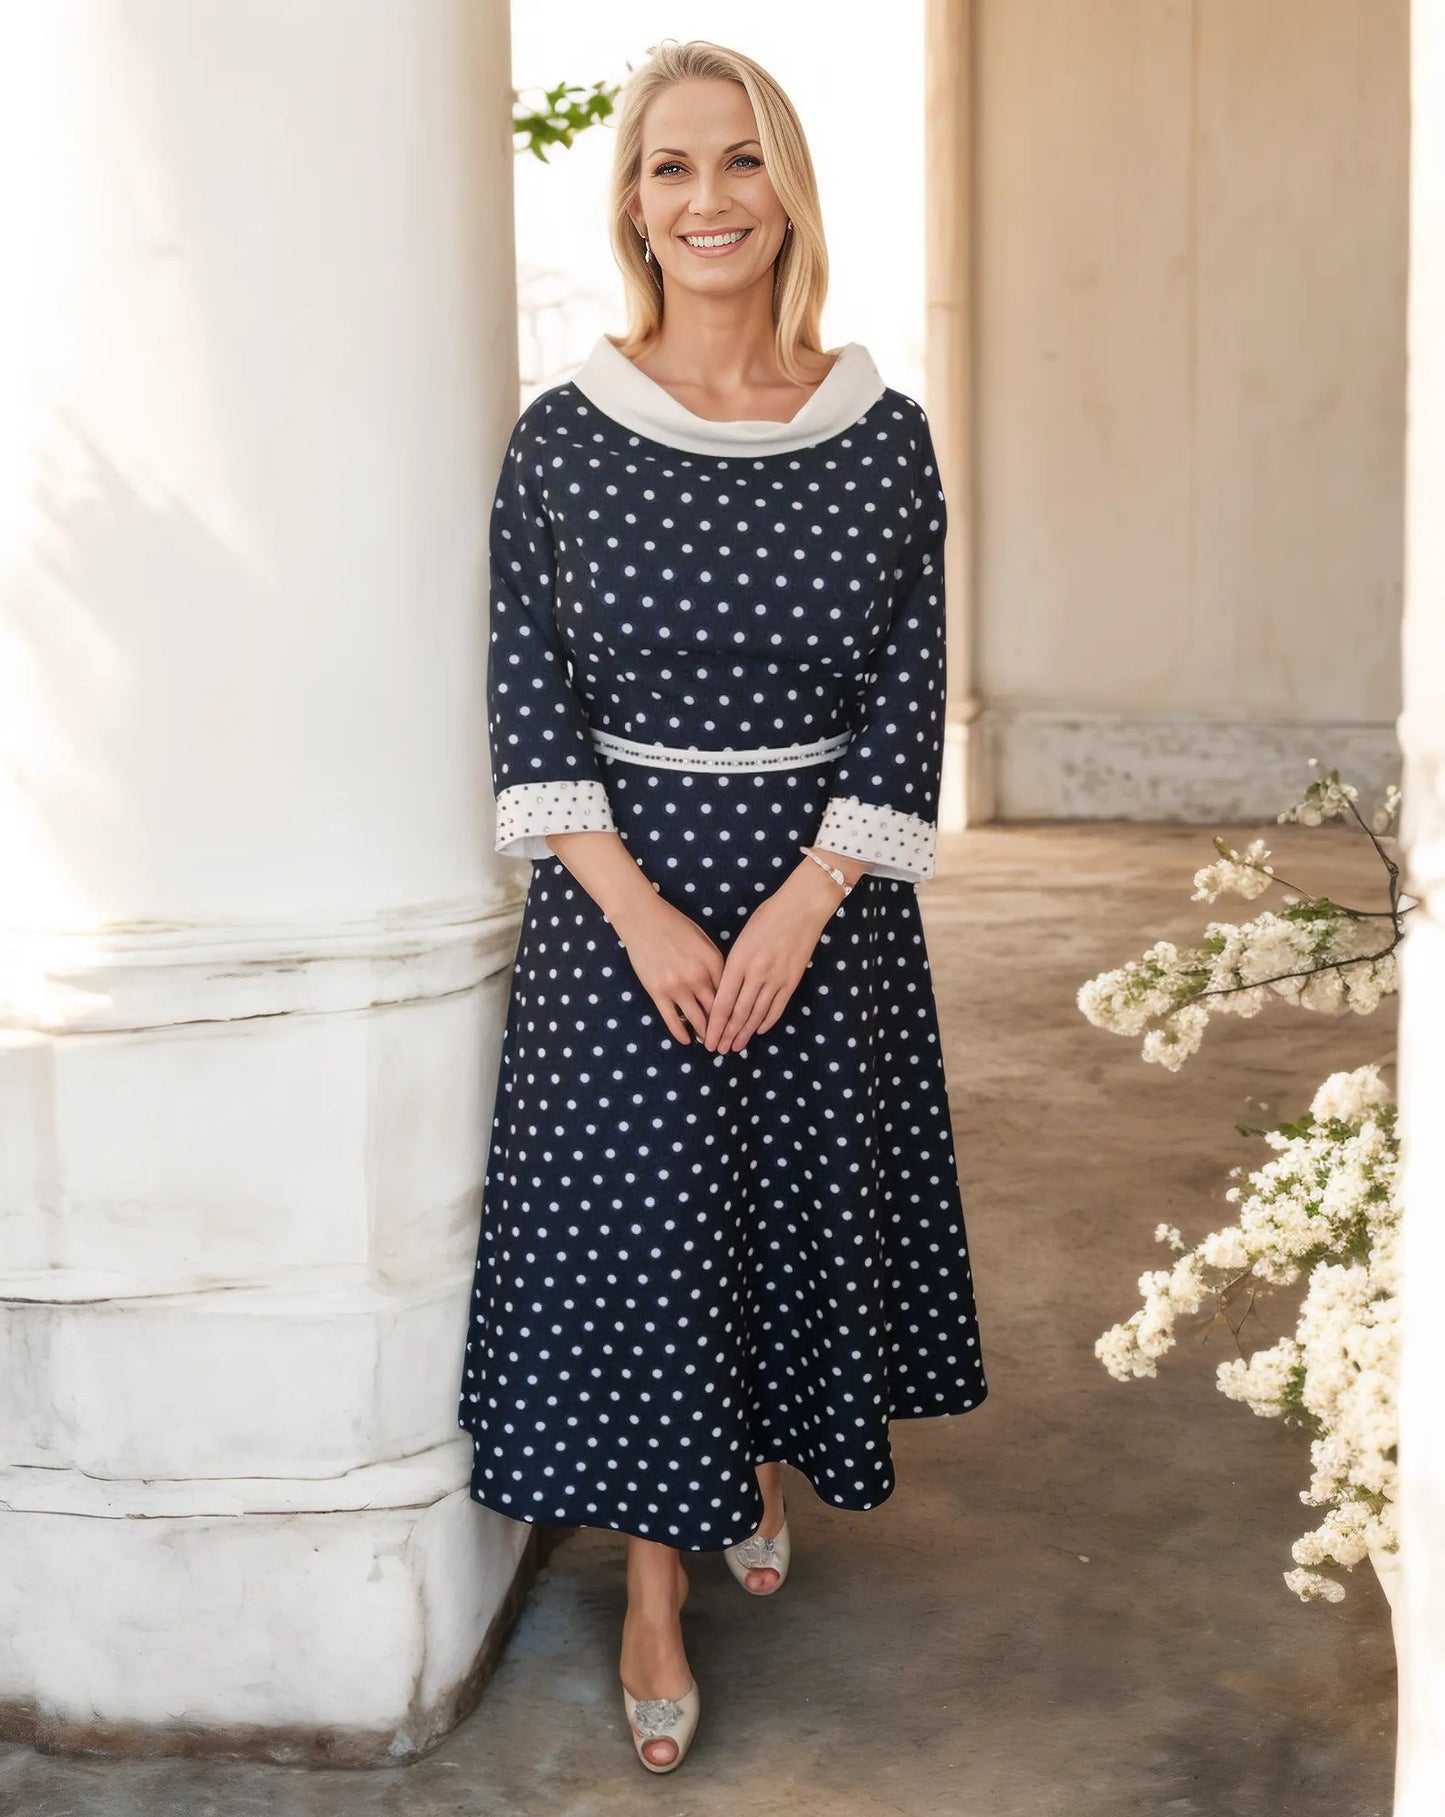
678	965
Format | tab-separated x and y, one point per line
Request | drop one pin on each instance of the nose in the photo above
709	196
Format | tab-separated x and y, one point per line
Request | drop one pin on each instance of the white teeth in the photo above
715	239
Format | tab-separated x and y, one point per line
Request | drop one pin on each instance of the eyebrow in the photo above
676	152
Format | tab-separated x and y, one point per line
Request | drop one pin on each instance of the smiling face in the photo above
704	199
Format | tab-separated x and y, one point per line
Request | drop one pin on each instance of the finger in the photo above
741	1018
722	1004
696	1014
668	1012
750	1027
737	1041
775	1009
704	988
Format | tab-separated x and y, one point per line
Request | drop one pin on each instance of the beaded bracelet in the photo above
831	869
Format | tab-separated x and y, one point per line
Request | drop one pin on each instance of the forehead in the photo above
698	116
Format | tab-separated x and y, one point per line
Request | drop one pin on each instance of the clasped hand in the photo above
727	1001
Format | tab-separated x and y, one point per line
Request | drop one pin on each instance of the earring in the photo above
646	250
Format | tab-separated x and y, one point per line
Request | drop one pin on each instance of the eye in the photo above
751	158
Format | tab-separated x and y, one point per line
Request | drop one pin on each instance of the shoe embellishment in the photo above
652	1717
757	1553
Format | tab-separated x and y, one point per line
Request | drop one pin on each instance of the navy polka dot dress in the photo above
722	641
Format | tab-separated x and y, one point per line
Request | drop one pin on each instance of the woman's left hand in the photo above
769	956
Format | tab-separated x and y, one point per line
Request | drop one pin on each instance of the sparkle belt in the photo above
690	757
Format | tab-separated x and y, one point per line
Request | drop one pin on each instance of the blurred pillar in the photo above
949	126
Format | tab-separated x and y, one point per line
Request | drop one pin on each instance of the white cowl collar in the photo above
625	393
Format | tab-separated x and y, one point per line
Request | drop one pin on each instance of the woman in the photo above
721	1226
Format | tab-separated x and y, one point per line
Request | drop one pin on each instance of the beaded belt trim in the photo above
689	757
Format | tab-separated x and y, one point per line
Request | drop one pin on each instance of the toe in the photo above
762	1580
661	1752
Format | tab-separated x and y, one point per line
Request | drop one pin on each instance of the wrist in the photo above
815	887
622	908
853	869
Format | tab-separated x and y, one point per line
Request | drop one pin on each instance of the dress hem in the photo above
955	1406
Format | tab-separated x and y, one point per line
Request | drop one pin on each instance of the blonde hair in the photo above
800	271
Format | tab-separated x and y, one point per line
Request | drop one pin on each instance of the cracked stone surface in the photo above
1072	1605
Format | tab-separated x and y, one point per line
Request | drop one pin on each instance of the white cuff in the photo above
528	811
893	843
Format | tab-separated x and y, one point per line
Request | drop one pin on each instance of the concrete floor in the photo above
1072	1606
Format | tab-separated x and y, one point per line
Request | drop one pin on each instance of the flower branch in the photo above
1325	1209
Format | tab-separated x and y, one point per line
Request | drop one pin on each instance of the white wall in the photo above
1190	243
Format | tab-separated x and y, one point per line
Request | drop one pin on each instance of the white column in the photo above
1420	1776
950	124
257	364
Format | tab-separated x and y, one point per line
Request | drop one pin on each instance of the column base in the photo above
341	1635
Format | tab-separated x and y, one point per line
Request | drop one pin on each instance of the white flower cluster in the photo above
1383	818
1330	961
1349	1332
1350	1097
1315	1197
1327	1206
1315	953
1237	873
1310	1585
1326	799
1134	1347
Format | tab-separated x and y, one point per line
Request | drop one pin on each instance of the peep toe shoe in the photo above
671	1719
759	1554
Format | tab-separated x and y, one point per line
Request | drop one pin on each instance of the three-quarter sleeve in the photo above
545	771
883	796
